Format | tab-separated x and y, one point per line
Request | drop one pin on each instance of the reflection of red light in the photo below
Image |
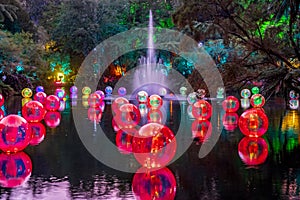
154	145
117	103
94	100
201	130
231	104
95	114
52	119
230	121
38	132
253	122
155	115
124	141
253	151
15	169
202	110
158	185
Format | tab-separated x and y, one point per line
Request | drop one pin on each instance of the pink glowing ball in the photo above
155	102
1	100
40	97
38	132
202	110
94	100
128	117
60	93
231	104
201	130
52	103
33	111
117	103
52	119
230	121
15	133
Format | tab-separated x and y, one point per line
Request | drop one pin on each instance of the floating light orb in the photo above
40	97
94	100
117	103
52	119
26	93
122	91
15	134
245	103
253	122
257	101
108	91
253	151
73	89
200	93
86	90
255	90
230	121
155	102
220	92
38	132
294	104
39	89
162	91
15	169
142	97
154	145
201	130
60	93
231	104
183	91
95	114
1	100
155	115
52	103
202	110
128	117
158	185
293	95
101	93
192	98
33	111
124	141
245	93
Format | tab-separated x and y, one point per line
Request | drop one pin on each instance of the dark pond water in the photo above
62	167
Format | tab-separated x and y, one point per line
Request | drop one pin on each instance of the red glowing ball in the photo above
15	133
52	119
257	101
124	141
15	169
155	102
155	115
201	110
1	100
154	145
95	114
40	97
128	117
158	185
253	122
201	130
52	103
33	111
230	121
253	151
117	103
38	132
1	114
94	100
231	104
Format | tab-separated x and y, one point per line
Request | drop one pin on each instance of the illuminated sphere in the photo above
33	111
220	92
94	100
38	132
124	141
122	91
39	89
255	90
60	93
155	115
52	103
182	91
257	101
15	169
162	91
293	95
73	89
26	93
200	93
15	133
52	119
149	185
40	97
1	114
294	104
245	103
231	104
128	117
230	121
154	145
202	110
155	102
1	100
86	90
192	98
117	103
201	130
142	97
253	151
253	122
245	93
101	93
95	114
108	90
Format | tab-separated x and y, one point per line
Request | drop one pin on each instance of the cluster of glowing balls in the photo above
202	110
142	97
253	122
220	92
150	185
52	119
33	111
39	89
201	130
15	134
40	97
15	169
231	104
154	145
183	91
230	121
38	132
26	93
52	103
86	90
294	102
162	91
108	91
128	116
192	98
1	100
122	91
94	100
117	103
253	151
60	93
257	101
155	101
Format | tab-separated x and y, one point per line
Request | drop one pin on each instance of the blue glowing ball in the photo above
73	89
108	90
122	91
39	89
